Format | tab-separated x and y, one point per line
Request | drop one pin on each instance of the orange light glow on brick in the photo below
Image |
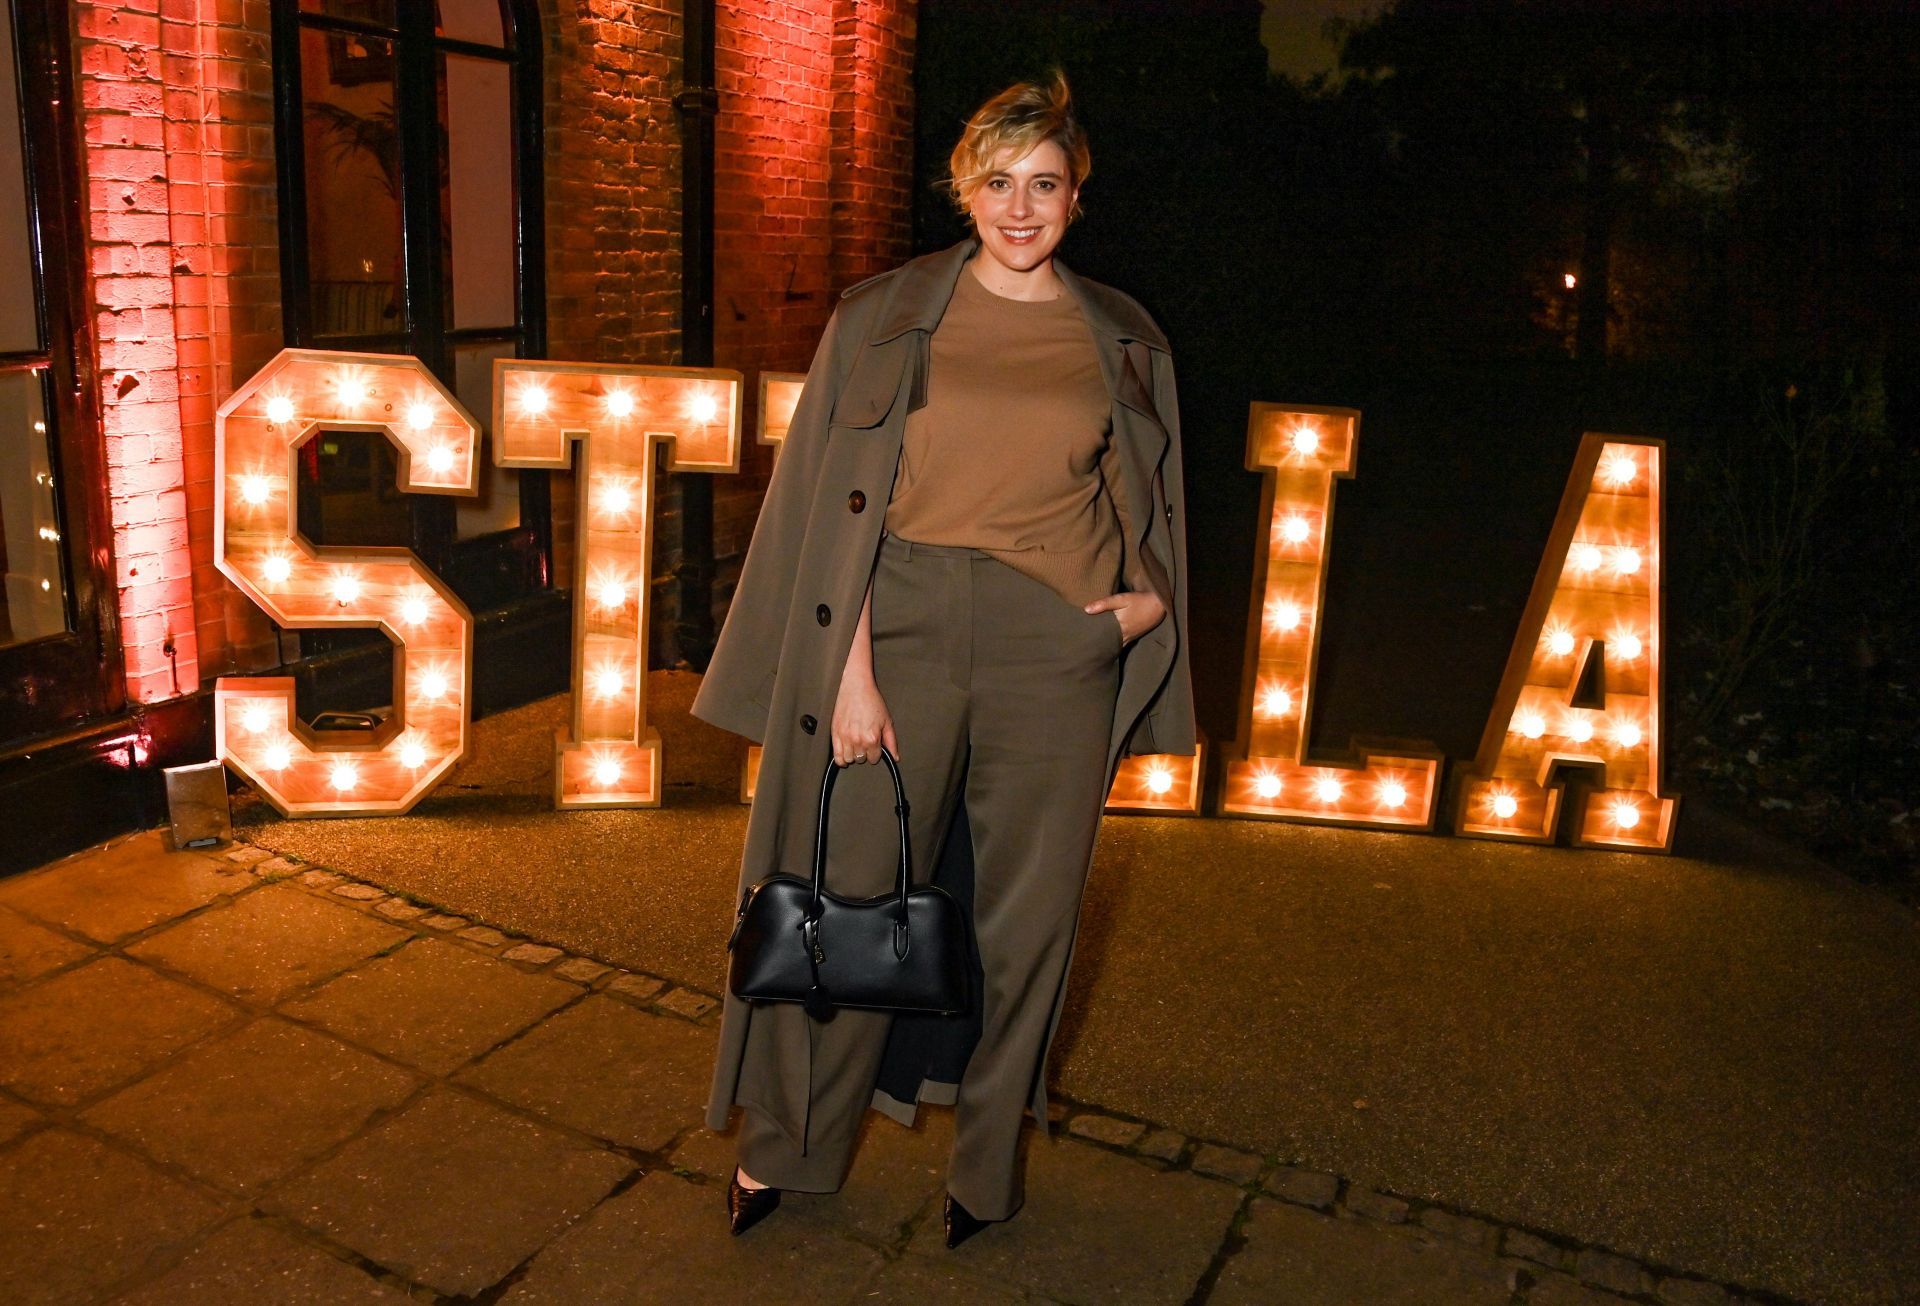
257	435
779	396
609	756
1582	684
1300	453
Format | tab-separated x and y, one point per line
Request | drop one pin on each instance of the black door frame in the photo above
63	682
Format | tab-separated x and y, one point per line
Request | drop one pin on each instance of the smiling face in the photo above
1021	209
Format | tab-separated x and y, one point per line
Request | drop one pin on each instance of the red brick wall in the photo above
814	154
177	117
613	196
814	158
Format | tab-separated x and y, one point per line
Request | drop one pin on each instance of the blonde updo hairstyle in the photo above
1014	123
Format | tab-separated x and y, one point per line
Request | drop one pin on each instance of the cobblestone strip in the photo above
1542	1266
648	992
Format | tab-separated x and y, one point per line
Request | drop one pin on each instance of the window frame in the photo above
58	684
523	553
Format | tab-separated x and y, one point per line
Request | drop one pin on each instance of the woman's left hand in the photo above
1139	611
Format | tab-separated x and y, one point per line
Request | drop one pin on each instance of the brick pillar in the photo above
177	122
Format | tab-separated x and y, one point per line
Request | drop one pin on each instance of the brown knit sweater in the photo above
1012	452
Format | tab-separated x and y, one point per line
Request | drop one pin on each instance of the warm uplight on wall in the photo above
1300	453
608	756
257	435
1582	684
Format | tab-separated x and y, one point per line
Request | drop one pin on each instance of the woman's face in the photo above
1020	210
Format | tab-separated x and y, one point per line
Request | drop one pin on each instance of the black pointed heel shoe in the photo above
961	1224
746	1206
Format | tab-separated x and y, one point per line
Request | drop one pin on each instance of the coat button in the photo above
856	502
807	723
823	613
1169	512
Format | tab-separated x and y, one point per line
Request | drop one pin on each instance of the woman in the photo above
1021	613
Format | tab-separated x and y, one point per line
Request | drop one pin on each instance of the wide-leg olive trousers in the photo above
1001	689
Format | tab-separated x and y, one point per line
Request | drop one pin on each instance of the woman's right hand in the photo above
861	722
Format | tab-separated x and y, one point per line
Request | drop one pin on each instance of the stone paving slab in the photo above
90	1029
29	949
1099	1228
452	1193
80	1216
270	943
242	1110
606	1069
1306	1259
432	1004
926	1282
15	1119
121	888
249	1263
1558	1290
666	1240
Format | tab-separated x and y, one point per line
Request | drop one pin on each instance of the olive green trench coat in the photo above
775	672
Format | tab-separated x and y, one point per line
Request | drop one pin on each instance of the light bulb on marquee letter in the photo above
1300	452
1612	513
257	545
608	756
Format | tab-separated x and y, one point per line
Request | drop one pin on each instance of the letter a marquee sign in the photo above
1581	691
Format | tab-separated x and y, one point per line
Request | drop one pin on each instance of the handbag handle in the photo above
900	806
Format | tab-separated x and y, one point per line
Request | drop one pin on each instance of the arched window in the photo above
408	139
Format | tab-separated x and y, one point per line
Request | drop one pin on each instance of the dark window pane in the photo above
33	602
476	115
354	248
349	491
19	322
498	507
469	20
366	11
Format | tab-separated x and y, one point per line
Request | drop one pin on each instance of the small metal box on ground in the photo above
197	804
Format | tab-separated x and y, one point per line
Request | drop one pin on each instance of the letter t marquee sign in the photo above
609	756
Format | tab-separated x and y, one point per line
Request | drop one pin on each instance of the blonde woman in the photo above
971	553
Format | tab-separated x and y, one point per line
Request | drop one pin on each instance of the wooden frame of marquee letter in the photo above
1583	680
257	546
609	756
779	396
1301	451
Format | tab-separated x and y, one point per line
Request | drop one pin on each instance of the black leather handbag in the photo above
796	941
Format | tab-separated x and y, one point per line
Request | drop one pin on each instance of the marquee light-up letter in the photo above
1582	684
1300	451
779	396
610	756
257	433
1166	783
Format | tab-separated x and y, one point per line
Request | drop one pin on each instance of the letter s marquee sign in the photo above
1581	689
